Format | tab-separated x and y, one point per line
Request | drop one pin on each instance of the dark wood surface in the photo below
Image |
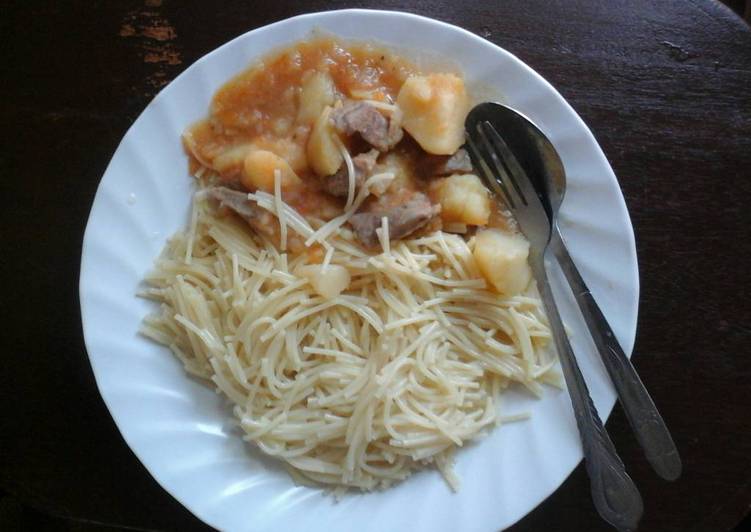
665	86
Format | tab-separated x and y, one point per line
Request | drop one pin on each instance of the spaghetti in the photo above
357	390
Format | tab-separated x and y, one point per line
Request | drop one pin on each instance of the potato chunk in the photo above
288	149
322	150
258	171
327	283
502	260
464	199
230	161
317	93
434	108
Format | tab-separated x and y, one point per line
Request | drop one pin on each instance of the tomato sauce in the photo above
258	109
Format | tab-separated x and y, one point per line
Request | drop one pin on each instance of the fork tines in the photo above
505	176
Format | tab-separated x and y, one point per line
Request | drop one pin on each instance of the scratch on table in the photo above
159	33
163	56
677	52
126	30
154	36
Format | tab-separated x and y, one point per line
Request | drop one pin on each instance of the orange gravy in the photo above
259	107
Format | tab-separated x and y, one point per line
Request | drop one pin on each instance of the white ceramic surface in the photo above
182	431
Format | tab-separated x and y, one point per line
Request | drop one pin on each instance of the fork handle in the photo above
646	422
613	492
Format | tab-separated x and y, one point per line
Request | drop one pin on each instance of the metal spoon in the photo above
540	160
614	494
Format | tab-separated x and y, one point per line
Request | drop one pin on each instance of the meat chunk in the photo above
459	163
403	219
373	127
443	165
236	201
260	219
338	184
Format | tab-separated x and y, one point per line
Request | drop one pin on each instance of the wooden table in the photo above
666	88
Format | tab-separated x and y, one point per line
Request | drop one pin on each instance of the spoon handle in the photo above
645	420
614	494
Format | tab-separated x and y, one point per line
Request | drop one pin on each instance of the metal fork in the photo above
613	492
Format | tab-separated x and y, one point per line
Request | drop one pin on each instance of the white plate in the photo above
181	430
